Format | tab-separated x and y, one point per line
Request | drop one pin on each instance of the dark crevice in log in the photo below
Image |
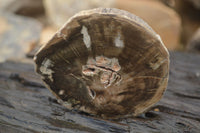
188	96
18	78
178	113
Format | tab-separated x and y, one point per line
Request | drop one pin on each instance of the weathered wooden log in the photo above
27	106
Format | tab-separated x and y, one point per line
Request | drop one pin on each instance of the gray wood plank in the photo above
26	105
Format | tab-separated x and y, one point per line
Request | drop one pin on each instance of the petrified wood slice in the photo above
106	62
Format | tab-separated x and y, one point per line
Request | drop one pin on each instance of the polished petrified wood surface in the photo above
105	62
27	106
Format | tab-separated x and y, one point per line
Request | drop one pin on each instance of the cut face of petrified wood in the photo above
106	68
106	62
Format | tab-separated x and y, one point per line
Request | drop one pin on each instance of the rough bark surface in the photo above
27	106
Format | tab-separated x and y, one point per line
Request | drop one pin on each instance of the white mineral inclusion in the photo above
118	41
86	37
45	68
159	38
61	92
156	65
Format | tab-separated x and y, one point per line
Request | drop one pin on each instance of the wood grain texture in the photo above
106	62
27	106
